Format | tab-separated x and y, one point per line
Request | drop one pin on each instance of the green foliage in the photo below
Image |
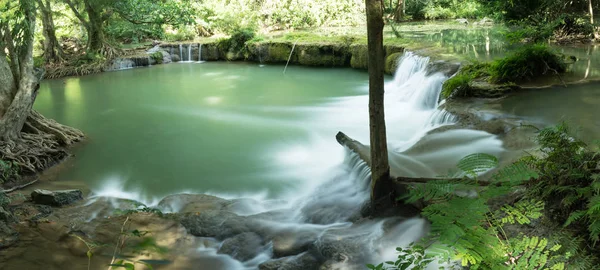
534	253
569	180
526	63
127	32
181	33
413	257
9	171
444	9
158	57
522	212
237	42
459	84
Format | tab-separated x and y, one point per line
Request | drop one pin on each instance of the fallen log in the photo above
364	153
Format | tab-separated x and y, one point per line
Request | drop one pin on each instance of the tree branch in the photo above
77	14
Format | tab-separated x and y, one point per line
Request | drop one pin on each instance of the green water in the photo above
577	105
208	127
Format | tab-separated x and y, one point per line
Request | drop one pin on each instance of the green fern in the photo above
475	164
522	212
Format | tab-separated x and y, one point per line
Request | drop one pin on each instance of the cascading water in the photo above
200	53
180	52
326	211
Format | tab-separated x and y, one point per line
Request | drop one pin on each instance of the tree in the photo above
399	11
52	50
95	13
591	11
26	137
381	183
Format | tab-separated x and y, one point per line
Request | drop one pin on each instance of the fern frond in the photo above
475	164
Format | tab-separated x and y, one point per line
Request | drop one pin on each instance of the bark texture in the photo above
26	137
399	12
52	50
381	185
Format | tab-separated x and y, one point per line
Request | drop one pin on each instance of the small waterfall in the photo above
413	85
189	53
200	53
180	52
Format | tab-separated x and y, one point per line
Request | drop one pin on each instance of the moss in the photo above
279	52
322	55
525	64
359	57
157	57
391	62
458	85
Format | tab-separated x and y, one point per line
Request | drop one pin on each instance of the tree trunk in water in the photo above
94	29
381	184
52	50
399	14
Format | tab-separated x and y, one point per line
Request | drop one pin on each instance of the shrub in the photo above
9	170
237	41
183	33
525	64
157	57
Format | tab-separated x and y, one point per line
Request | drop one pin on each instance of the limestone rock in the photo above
242	247
300	262
56	198
215	223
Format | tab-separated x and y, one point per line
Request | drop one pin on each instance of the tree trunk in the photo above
381	184
7	84
94	30
591	12
399	13
52	50
17	112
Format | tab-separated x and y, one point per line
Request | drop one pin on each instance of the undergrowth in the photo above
529	62
541	212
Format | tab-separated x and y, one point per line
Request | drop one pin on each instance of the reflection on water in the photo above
486	44
578	105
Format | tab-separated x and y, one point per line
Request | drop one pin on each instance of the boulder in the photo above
191	203
175	58
293	242
56	198
391	63
215	223
242	247
359	57
299	262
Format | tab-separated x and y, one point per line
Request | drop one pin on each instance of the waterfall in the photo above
189	53
200	53
333	183
181	52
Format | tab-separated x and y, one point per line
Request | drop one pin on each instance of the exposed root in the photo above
41	144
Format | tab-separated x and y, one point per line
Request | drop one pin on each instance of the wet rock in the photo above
293	242
215	223
191	203
484	89
175	58
166	57
272	52
56	198
325	55
391	63
445	67
359	57
300	262
242	247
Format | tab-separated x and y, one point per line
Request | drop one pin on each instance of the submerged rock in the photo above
56	198
242	247
214	223
191	203
300	262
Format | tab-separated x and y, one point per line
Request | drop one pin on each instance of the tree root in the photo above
41	145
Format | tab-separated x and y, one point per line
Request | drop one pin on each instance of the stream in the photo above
238	130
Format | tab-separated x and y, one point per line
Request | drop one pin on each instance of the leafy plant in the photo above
10	171
525	64
413	257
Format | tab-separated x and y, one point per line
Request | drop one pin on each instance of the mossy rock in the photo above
210	52
271	52
330	55
392	49
391	62
360	56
